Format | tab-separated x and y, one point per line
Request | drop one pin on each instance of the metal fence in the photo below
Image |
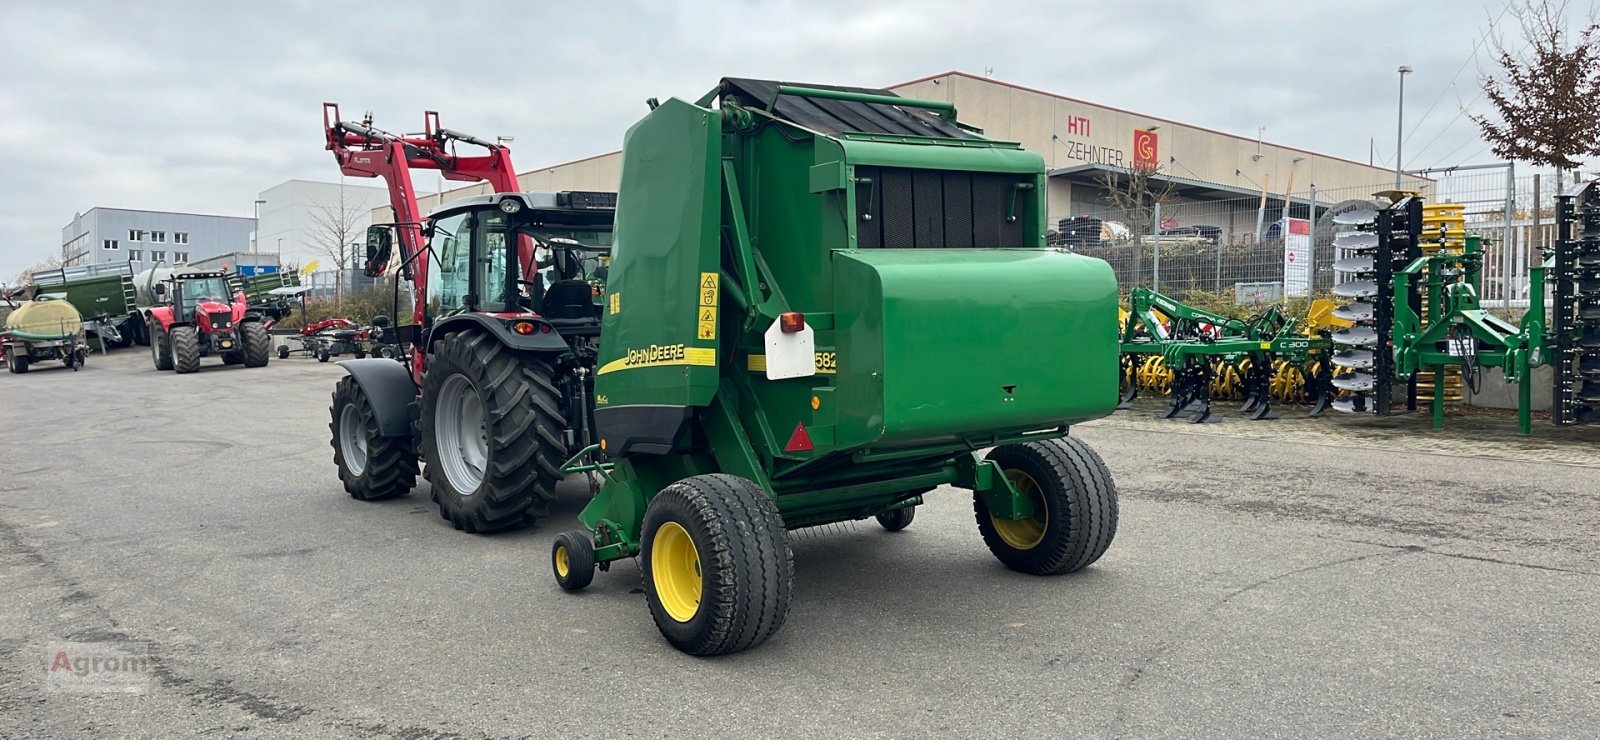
1260	252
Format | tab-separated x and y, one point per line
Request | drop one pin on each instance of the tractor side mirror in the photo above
380	248
161	289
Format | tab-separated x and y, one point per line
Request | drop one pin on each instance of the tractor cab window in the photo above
561	260
449	282
494	263
209	290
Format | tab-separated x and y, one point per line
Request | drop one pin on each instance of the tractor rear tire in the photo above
572	560
1075	505
371	466
18	364
185	349
718	571
257	343
895	520
501	470
160	347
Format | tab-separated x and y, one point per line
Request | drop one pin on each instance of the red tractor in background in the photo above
202	314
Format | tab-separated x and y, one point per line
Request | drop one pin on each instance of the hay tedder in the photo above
825	302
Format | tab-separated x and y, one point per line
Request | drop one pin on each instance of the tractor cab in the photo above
477	248
195	293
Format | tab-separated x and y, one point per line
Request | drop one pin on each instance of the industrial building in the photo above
1085	146
143	238
305	220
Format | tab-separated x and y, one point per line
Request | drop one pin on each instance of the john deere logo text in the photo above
653	354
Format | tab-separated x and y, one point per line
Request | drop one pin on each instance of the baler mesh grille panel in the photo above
935	208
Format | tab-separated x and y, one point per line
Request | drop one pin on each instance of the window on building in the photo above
135	255
180	237
134	235
180	256
158	255
158	236
109	244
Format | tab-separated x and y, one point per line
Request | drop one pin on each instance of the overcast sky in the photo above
199	106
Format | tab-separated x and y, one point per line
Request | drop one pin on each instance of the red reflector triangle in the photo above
799	441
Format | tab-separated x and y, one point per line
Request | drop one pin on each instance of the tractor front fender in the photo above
540	341
389	389
161	315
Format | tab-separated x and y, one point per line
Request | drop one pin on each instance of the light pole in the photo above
1399	126
255	241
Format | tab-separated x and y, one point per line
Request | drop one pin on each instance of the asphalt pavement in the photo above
1307	580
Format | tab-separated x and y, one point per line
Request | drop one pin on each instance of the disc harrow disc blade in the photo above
1358	216
1350	405
1356	289
1354	312
1354	264
1356	336
1358	382
1356	240
1355	359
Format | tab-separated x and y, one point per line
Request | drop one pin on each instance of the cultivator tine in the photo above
1126	401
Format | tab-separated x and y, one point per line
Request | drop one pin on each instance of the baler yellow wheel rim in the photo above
675	568
563	561
1024	534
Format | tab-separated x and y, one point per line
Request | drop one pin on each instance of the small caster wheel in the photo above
283	351
572	559
323	355
895	520
360	353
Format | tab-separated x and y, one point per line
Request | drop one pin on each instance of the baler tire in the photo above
257	350
185	349
390	468
1079	501
895	520
572	560
523	427
160	347
741	556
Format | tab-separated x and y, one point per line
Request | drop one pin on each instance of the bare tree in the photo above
1546	98
334	227
1136	194
26	276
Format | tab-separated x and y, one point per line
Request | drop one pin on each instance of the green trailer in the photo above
825	303
103	294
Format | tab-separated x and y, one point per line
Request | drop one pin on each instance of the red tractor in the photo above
203	314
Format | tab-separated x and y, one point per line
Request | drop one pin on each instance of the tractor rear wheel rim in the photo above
675	568
1024	534
353	439
459	425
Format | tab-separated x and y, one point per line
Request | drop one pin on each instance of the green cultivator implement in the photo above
823	304
1208	355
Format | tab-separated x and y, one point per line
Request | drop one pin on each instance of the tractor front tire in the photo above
371	466
185	344
718	571
491	433
1075	507
160	347
257	348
